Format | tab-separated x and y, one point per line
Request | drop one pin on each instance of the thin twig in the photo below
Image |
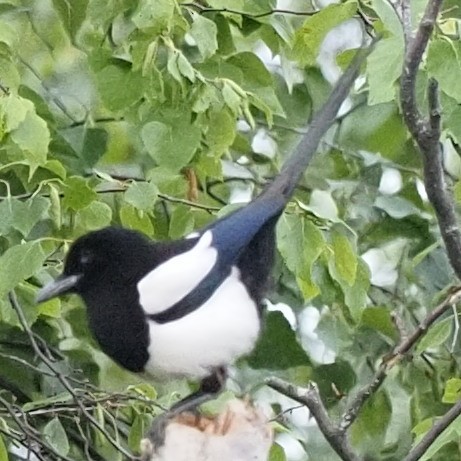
434	432
62	378
122	188
406	344
20	438
336	435
54	98
78	123
310	397
204	9
20	419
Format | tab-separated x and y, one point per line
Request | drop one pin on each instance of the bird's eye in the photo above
85	258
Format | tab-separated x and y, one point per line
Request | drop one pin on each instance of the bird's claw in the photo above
157	430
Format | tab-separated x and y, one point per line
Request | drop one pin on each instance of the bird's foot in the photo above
209	387
157	430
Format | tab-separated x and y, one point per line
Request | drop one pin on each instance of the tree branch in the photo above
395	357
62	378
426	132
310	397
30	432
336	434
434	432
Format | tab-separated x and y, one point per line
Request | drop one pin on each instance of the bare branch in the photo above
62	378
426	133
310	397
20	419
414	50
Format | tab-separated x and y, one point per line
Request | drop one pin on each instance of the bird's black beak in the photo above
63	284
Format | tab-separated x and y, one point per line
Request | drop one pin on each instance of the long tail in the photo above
294	167
237	229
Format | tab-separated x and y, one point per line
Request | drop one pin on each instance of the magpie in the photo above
189	307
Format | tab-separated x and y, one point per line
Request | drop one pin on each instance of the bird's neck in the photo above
119	325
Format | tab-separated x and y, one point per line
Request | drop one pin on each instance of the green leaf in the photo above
436	335
142	195
310	36
396	207
384	67
277	453
138	428
8	31
452	392
204	32
221	131
136	220
232	99
51	308
389	17
15	110
422	427
383	133
77	193
32	137
61	398
300	243
277	348
119	87
22	215
9	74
72	14
449	435
373	419
355	296
18	263
94	216
254	73
171	146
379	319
156	16
185	67
205	97
181	222
345	259
94	145
55	208
453	123
144	389
172	65
55	435
444	64
224	36
3	450
26	214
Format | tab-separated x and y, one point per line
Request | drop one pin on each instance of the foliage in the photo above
124	112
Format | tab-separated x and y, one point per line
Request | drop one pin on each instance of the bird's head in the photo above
111	256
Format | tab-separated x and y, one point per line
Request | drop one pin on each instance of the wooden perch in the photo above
241	432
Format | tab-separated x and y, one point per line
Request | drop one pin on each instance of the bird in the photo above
189	308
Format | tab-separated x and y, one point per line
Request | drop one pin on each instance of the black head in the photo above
114	256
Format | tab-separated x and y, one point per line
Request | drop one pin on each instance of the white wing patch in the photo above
224	328
171	281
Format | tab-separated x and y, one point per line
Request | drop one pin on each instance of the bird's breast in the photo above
221	330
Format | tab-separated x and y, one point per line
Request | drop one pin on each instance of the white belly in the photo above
223	329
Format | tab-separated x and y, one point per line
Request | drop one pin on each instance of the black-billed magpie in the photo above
191	307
